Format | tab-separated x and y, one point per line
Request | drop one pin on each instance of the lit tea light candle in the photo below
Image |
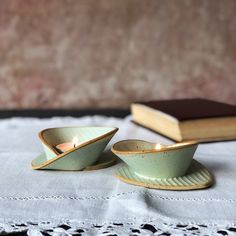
158	146
63	147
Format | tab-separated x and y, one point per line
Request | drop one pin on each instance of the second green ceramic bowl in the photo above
145	160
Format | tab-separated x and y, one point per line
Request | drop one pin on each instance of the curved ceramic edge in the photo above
174	146
104	165
170	187
58	156
96	166
115	129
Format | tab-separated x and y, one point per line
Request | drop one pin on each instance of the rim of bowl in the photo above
174	146
40	134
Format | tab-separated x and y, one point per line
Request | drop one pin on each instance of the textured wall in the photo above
107	53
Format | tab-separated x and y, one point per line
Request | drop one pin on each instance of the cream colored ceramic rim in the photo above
58	155
163	149
169	187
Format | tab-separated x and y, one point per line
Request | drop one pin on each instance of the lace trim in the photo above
60	197
115	228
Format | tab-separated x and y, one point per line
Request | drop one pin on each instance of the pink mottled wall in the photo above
107	53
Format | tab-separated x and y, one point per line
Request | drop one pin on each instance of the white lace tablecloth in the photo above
95	202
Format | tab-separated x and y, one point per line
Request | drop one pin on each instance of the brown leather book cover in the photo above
190	109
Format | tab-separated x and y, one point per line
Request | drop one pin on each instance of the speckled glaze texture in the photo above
145	161
108	53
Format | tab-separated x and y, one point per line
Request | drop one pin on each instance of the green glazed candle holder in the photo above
148	160
93	141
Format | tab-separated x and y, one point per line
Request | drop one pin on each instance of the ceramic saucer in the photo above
105	160
197	177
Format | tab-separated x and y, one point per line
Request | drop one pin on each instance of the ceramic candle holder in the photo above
146	160
93	141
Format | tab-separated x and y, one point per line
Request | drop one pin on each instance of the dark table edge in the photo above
47	113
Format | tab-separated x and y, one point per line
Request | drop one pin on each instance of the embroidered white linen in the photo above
97	196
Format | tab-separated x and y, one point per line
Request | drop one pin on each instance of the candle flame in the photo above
158	146
75	141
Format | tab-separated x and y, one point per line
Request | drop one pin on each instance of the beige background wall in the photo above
107	53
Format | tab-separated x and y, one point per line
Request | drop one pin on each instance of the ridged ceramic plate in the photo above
197	177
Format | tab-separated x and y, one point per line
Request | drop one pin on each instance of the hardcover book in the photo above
187	119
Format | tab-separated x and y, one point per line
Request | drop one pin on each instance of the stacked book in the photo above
187	119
